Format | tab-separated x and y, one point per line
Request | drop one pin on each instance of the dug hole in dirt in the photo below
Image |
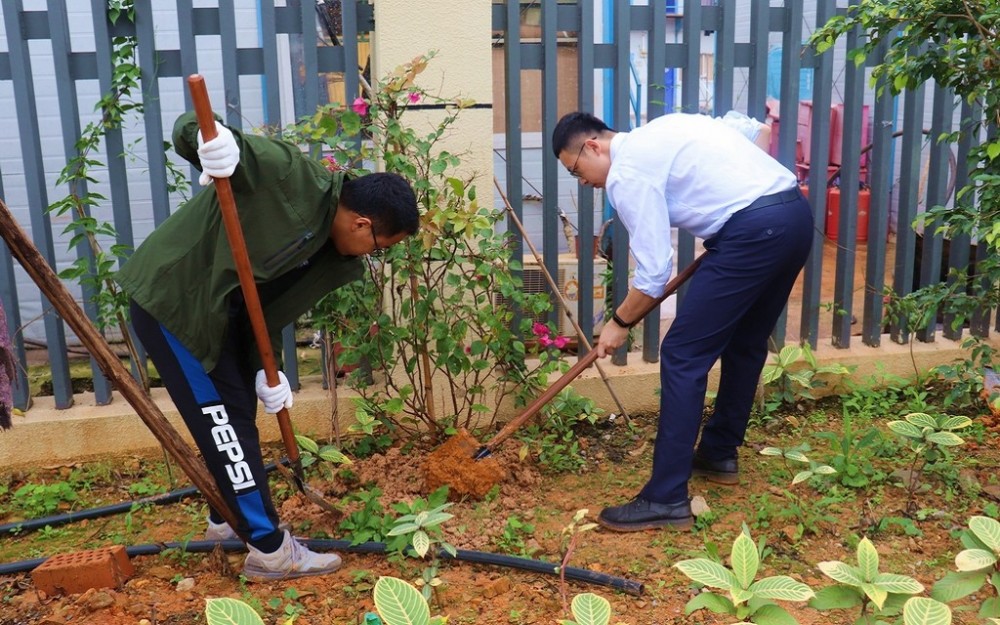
453	465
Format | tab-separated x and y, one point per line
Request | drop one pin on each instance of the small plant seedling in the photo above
928	437
424	534
807	512
589	609
978	565
399	603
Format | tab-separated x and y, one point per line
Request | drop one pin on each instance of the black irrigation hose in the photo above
628	586
30	525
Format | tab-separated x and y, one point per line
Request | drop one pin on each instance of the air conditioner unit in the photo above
567	278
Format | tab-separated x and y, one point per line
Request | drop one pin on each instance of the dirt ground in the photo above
171	588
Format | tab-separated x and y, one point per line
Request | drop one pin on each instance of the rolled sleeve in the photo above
642	209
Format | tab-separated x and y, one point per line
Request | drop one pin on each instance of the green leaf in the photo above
986	530
306	443
398	603
993	150
796	455
906	429
974	560
745	560
403	528
771	451
954	586
421	542
711	601
867	560
922	420
924	611
788	355
591	609
773	614
955	423
227	611
945	439
782	587
801	476
899	584
332	454
990	608
836	597
709	573
876	594
842	572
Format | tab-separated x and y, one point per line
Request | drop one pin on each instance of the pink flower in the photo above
540	329
331	163
360	106
545	341
414	97
560	342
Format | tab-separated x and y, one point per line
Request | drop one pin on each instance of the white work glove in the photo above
219	157
274	398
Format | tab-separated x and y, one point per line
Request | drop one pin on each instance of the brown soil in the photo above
618	459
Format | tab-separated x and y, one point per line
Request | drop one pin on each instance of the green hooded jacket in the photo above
184	273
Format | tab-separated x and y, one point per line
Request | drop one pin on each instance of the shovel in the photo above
234	232
468	469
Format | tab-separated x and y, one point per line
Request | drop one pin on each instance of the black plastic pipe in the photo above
55	520
622	584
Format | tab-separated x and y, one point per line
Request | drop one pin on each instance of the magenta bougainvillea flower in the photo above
360	106
414	97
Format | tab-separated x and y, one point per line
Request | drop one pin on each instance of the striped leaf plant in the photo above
746	598
977	565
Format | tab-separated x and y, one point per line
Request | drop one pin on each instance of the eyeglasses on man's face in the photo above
378	250
572	170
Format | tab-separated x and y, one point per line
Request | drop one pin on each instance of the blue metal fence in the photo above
734	38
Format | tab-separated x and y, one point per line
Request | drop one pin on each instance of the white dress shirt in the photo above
683	171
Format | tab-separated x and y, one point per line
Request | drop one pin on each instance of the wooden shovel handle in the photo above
234	232
585	362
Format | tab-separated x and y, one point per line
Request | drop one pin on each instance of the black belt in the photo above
775	198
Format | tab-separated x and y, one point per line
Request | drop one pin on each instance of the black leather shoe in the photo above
718	471
642	514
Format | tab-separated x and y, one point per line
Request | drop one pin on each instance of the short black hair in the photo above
571	126
385	198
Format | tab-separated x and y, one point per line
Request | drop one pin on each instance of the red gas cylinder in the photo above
833	214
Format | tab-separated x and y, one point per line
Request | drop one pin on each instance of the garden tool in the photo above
234	233
62	301
468	469
555	289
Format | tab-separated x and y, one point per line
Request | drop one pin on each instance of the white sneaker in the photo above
223	531
220	531
292	559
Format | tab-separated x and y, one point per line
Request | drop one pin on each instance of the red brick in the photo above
71	573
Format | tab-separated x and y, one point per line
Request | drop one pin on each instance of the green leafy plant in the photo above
589	609
444	301
327	454
554	440
808	513
422	530
512	539
369	522
43	499
229	611
794	374
928	437
863	585
748	599
853	452
399	603
977	565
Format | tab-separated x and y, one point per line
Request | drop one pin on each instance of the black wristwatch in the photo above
621	322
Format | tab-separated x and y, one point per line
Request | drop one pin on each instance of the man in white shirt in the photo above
700	174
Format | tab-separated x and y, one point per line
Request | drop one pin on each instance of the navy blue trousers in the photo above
732	304
220	410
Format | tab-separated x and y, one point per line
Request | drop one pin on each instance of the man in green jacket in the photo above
305	229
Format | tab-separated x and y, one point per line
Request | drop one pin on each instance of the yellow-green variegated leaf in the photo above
824	469
788	355
744	560
740	595
921	420
704	571
783	588
591	609
986	530
841	572
801	476
974	560
906	429
771	451
876	594
945	439
898	584
796	455
421	542
867	560
955	423
398	603
228	611
924	611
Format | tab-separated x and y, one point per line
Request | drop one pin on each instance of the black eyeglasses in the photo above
378	250
572	170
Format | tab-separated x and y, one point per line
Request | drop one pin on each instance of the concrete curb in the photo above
45	436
